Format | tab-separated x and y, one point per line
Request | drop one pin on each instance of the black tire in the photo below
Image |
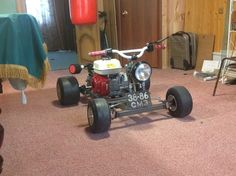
99	115
1	163
68	92
1	141
179	101
1	135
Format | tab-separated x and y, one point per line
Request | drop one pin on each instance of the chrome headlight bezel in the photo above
142	71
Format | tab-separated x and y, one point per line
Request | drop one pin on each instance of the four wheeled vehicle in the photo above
115	92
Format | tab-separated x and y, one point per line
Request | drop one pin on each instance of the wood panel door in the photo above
139	22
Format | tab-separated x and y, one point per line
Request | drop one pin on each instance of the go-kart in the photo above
115	92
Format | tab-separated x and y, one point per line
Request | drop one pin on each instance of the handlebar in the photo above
124	53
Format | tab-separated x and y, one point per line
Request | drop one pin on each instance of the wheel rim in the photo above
172	103
58	92
90	116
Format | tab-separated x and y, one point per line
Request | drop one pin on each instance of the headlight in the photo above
142	71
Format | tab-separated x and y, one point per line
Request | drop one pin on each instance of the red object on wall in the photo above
100	85
83	11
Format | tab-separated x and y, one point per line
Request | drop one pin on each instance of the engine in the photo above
107	79
109	85
100	85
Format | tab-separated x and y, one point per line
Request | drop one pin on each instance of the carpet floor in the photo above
43	138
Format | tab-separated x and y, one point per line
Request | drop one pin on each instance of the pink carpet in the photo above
45	139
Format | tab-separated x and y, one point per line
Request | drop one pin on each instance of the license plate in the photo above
139	100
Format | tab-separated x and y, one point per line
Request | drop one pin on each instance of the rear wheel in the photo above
1	141
99	115
1	135
179	101
68	92
1	163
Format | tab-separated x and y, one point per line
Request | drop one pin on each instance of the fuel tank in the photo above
107	66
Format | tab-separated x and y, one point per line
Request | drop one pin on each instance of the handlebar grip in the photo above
97	53
160	46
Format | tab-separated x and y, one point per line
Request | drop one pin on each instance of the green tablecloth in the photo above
22	51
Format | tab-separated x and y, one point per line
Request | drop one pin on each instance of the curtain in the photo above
54	20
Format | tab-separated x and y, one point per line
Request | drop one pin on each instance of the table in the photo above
22	50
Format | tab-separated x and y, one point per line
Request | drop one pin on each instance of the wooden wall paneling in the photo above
88	38
173	20
111	29
164	32
233	34
176	15
100	5
206	17
220	23
193	9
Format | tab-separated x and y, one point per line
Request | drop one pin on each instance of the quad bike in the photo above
115	93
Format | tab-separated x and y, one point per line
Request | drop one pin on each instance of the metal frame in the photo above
221	68
129	111
150	108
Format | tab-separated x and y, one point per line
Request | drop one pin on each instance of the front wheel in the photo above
179	101
99	115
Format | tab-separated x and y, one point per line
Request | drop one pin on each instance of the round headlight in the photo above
142	71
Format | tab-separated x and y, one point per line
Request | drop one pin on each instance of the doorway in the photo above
138	23
54	21
57	31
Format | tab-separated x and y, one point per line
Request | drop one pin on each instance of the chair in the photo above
229	71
